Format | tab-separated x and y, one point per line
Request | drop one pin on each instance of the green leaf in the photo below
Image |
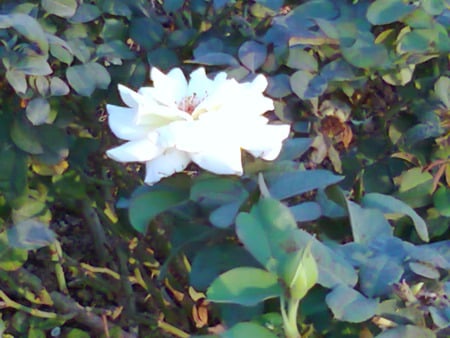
441	200
364	53
349	305
434	7
211	261
254	286
246	330
33	65
147	32
58	87
163	58
307	85
306	212
225	195
13	172
11	258
172	5
378	274
381	12
290	184
87	77
146	206
425	270
30	235
60	49
115	49
30	28
38	111
77	333
85	13
442	90
391	205
62	8
215	59
300	59
407	331
252	55
367	224
293	148
25	137
278	86
17	80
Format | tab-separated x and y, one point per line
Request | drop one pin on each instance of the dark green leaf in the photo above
147	32
441	199
146	206
255	285
295	183
215	59
293	148
25	137
172	5
391	205
86	78
214	260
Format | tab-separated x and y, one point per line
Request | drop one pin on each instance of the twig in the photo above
8	302
67	305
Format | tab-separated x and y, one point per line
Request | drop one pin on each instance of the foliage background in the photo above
85	249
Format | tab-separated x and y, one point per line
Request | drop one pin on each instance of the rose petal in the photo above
223	159
129	96
265	141
135	151
168	163
122	122
170	88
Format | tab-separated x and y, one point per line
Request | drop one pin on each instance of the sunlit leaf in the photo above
256	285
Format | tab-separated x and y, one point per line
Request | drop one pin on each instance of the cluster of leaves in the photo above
366	88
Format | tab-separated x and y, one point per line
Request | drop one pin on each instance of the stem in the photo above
56	257
8	302
172	329
290	318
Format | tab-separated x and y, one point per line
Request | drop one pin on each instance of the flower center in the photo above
189	103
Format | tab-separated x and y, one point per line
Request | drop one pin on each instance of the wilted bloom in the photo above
207	121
